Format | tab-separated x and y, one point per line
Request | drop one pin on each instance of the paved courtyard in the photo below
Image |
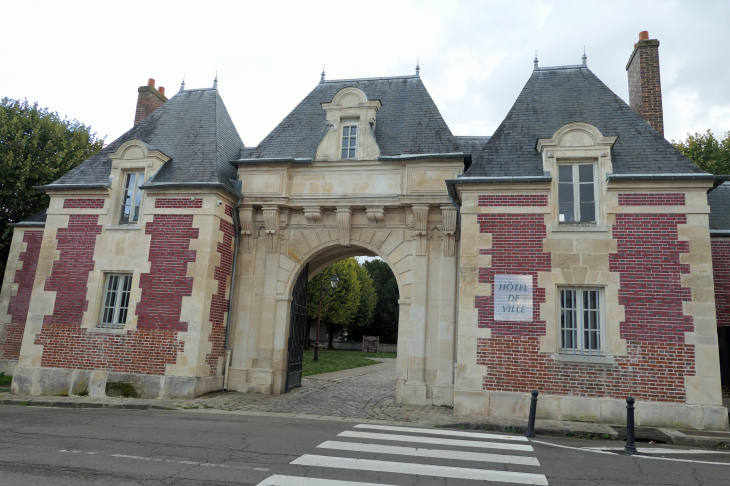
361	393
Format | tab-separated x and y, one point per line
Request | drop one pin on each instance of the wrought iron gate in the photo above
297	330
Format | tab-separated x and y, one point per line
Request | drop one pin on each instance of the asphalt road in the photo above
40	446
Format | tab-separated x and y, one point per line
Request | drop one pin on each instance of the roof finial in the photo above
215	81
182	85
321	80
535	61
585	58
418	67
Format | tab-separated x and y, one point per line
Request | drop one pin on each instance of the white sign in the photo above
512	298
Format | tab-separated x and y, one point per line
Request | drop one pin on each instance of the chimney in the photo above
149	100
645	87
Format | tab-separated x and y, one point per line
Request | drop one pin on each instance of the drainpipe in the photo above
236	232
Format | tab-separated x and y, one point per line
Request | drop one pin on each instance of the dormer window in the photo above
132	198
576	193
349	141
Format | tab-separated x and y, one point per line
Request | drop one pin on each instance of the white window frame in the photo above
596	322
576	192
351	149
115	301
136	209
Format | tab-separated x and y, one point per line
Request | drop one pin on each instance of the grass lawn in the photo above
5	380
330	361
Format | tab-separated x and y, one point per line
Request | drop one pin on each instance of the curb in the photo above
70	404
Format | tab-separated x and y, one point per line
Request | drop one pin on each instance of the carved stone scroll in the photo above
344	219
246	219
449	215
271	222
420	219
313	214
375	214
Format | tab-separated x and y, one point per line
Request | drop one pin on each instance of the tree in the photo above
385	319
711	154
338	308
36	148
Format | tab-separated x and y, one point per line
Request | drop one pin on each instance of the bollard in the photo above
531	421
630	448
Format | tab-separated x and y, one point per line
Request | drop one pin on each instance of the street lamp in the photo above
334	282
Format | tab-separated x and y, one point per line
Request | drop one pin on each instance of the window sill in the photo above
123	227
105	330
577	227
570	358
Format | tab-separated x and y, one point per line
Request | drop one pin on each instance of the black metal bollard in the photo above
531	421
630	448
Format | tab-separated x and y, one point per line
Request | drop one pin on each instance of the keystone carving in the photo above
375	214
449	215
246	218
271	224
313	214
344	219
420	219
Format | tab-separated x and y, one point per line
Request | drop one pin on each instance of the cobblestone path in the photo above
366	396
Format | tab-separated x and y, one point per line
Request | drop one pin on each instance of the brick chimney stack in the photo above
645	87
149	100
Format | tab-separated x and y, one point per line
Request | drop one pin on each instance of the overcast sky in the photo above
86	60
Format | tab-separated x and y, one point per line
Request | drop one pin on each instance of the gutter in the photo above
719	232
450	183
661	177
70	187
236	236
270	160
195	185
27	225
450	155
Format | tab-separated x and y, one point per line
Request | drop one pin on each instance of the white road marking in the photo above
437	440
433	453
454	433
585	449
649	450
192	463
278	480
77	452
421	469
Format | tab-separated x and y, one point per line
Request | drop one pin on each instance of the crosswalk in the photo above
494	457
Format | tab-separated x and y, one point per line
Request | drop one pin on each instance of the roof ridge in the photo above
369	79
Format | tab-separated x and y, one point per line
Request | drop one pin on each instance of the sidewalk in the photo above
363	395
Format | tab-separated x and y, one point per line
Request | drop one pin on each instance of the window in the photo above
116	300
580	320
349	141
132	197
576	193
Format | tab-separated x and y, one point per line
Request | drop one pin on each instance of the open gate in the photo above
297	330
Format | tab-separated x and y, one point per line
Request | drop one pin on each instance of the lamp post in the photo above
334	282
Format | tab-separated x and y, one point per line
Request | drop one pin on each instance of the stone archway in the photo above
326	212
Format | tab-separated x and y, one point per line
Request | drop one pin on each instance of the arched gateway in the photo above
414	232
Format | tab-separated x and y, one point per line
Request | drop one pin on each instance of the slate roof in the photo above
407	123
193	128
38	219
555	97
719	201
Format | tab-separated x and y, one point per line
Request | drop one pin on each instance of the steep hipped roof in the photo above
193	128
555	97
407	123
719	201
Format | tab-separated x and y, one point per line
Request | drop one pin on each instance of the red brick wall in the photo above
18	305
651	292
517	244
652	199
83	203
166	202
721	272
70	273
164	287
219	303
513	200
